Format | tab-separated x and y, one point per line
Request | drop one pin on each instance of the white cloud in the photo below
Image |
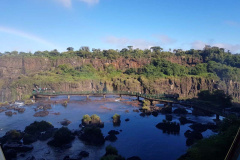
232	23
65	3
197	45
165	39
68	3
232	47
124	42
27	36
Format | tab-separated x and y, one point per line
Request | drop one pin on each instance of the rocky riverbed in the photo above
135	136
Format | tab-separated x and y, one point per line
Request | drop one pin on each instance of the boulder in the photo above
193	135
111	137
41	114
65	122
31	158
18	147
10	153
92	136
168	117
62	138
9	113
136	110
21	110
127	119
166	110
180	111
84	154
28	139
184	120
134	158
169	127
113	132
155	114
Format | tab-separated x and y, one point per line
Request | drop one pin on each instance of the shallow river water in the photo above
139	136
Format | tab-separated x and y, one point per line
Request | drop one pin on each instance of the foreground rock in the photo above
17	147
169	127
92	136
63	136
111	137
112	153
166	110
180	111
134	158
84	154
198	127
65	122
184	120
43	107
38	131
41	114
192	137
10	113
12	136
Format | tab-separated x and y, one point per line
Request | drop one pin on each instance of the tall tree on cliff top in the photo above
70	49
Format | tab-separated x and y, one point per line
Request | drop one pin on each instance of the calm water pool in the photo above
139	136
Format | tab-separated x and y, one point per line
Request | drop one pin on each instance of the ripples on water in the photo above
139	136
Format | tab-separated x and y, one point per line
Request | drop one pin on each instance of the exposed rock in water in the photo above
198	127
92	136
21	110
116	120
169	127
28	139
134	158
199	112
184	120
31	158
127	119
11	136
166	110
93	121
111	137
193	135
62	138
56	113
41	114
113	132
180	111
43	107
10	154
10	113
84	153
155	114
65	122
41	130
142	114
168	117
18	147
136	110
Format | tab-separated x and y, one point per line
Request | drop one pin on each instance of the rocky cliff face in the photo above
12	67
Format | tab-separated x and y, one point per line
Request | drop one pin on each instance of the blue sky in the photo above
31	25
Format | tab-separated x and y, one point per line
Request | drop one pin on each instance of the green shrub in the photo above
86	118
37	127
116	117
63	135
95	117
110	150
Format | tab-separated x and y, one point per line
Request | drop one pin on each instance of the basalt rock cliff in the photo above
13	67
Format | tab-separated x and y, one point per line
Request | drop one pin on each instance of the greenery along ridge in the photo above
214	63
